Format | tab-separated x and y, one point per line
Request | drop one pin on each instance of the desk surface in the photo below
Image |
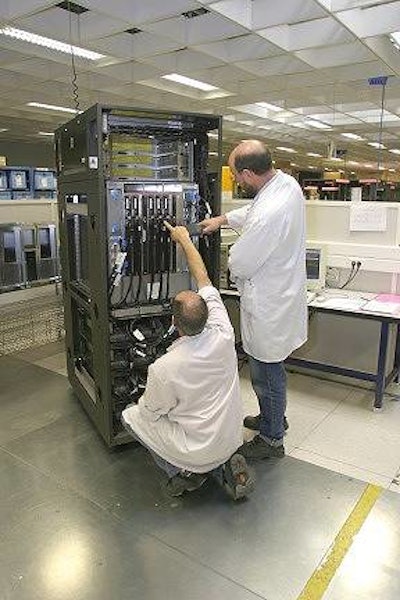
345	301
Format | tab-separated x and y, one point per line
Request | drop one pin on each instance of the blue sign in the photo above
381	80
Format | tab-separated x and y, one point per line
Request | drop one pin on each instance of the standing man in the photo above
268	266
190	415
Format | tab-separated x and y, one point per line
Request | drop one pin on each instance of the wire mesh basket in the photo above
31	322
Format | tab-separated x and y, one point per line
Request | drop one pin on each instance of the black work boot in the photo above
253	423
258	448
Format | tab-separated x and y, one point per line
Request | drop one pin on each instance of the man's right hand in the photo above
179	233
210	225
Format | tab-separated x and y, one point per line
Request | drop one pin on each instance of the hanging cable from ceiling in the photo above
74	76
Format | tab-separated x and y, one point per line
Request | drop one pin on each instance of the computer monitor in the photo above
18	180
315	266
44	180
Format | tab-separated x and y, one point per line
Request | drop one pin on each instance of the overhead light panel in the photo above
272	107
53	107
313	154
286	149
352	136
376	145
395	39
3	129
194	83
39	40
317	124
46	133
395	151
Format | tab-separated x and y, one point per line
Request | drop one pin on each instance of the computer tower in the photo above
122	172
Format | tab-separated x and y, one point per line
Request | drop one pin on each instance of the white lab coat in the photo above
268	265
190	413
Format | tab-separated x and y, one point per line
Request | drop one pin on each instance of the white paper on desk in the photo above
341	303
367	216
387	308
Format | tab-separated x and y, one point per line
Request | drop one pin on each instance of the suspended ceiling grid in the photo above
310	58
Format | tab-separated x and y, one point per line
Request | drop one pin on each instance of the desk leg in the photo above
397	354
381	370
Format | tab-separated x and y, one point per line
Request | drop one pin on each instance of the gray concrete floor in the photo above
80	522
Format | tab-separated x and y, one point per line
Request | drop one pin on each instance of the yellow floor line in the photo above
319	581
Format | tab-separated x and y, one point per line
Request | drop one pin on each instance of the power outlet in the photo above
332	276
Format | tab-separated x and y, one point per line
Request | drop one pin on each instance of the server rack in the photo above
121	173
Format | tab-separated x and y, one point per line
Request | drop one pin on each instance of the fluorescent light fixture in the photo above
392	170
336	159
376	145
46	133
352	136
300	125
311	167
317	124
352	162
211	134
313	154
39	40
272	107
263	127
294	164
194	83
213	154
286	149
395	39
53	107
395	151
3	129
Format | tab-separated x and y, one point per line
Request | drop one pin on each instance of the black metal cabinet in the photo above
121	173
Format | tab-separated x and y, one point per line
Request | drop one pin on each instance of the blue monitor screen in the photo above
18	180
44	180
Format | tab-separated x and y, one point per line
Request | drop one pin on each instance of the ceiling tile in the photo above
243	47
138	12
254	14
333	56
307	34
278	65
182	61
55	23
126	45
206	28
373	19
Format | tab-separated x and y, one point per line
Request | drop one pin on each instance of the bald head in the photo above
252	155
190	313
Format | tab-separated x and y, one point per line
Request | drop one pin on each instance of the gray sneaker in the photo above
258	448
253	423
179	484
238	481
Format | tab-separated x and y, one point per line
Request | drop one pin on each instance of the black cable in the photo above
231	229
74	78
355	267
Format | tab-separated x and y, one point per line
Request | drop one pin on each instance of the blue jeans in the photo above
269	384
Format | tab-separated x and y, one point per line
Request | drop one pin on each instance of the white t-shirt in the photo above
190	413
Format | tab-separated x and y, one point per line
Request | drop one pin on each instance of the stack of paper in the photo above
387	304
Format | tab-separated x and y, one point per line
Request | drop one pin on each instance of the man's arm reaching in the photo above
197	268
